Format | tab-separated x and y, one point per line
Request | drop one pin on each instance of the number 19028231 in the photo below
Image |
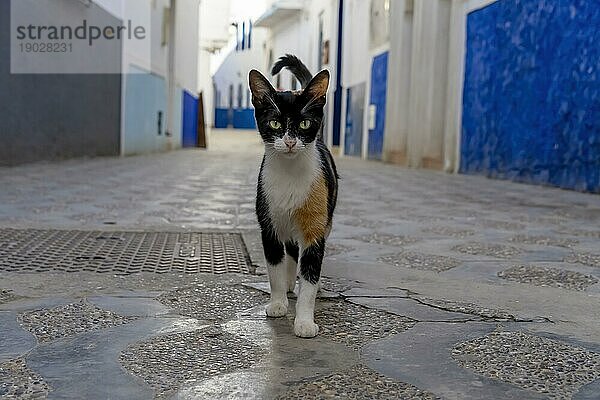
60	47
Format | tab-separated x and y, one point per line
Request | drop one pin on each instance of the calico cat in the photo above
297	188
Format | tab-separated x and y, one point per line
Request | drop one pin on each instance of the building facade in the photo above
232	100
146	101
503	88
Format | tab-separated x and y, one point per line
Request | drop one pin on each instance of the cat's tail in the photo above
295	66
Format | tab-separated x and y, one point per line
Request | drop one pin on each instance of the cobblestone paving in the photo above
212	300
472	232
363	223
503	225
593	260
467	308
388	240
447	231
333	249
424	262
544	276
544	365
579	232
487	249
6	296
357	383
544	241
354	325
69	320
17	381
167	362
338	285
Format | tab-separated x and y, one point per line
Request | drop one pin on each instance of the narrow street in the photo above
143	277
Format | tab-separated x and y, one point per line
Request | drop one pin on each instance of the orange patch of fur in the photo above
312	216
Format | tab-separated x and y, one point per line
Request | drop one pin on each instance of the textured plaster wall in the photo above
531	105
58	116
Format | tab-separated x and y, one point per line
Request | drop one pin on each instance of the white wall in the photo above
355	43
186	45
234	69
424	108
215	16
299	35
150	54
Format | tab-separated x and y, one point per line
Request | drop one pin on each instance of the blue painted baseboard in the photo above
221	117
243	118
238	118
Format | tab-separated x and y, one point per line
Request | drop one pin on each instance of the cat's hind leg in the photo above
276	268
291	250
310	273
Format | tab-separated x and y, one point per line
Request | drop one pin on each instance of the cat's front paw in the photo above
305	328
276	309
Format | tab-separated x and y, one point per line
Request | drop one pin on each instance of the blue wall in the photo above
378	96
221	117
238	118
243	118
189	128
531	108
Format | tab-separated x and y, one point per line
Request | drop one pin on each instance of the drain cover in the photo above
123	253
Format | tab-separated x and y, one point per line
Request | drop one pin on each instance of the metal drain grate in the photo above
123	253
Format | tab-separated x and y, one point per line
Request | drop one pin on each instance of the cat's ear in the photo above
262	91
317	87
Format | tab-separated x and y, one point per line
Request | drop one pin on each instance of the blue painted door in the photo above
531	104
377	99
355	108
190	120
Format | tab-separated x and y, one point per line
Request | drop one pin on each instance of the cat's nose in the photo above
290	142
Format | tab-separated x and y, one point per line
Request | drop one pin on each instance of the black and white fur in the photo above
297	188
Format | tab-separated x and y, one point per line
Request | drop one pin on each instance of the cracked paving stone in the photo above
169	361
448	231
545	276
212	300
467	308
337	285
388	240
334	249
486	249
69	320
531	362
544	241
355	325
357	383
17	381
423	262
593	260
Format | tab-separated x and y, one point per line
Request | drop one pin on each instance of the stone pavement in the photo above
435	285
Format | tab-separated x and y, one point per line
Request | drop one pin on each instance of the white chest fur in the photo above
287	183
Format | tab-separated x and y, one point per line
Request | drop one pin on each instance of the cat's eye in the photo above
305	124
275	124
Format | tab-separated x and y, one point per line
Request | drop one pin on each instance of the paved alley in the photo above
142	277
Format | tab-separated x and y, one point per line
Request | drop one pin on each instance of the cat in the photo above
297	188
